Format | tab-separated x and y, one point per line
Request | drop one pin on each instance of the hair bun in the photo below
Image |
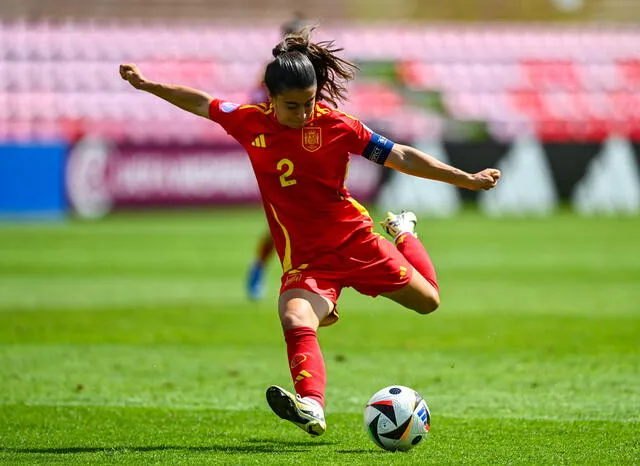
278	50
285	47
302	48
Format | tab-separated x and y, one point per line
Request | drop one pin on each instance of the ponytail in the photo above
299	64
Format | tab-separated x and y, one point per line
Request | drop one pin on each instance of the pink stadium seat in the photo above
376	99
598	77
580	83
463	105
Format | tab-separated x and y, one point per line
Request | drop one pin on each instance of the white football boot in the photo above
303	412
396	224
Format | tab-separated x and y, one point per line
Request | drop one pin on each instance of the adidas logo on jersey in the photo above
259	142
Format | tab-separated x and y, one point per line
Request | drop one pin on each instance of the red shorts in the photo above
369	263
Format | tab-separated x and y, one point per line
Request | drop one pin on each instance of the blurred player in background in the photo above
266	247
299	148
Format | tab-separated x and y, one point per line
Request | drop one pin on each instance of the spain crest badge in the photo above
311	138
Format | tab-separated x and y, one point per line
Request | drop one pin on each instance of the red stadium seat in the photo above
580	83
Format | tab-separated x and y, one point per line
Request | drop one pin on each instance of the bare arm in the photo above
410	160
186	98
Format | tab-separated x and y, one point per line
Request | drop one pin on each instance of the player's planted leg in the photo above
301	312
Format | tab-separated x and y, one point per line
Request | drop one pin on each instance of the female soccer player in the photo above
299	148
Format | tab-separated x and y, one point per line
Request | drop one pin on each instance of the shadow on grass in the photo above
362	451
250	446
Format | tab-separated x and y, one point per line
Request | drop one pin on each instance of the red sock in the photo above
306	363
417	255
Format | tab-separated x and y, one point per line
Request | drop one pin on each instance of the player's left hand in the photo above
486	179
130	72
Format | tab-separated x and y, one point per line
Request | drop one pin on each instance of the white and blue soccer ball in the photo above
397	418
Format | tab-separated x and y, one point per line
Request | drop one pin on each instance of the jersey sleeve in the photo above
227	114
365	142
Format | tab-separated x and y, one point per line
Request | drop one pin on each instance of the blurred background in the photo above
547	90
128	228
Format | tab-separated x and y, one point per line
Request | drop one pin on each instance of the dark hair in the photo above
300	64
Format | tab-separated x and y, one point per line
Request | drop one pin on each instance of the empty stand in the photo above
59	79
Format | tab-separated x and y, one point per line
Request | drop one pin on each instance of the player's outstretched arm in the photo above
410	160
191	100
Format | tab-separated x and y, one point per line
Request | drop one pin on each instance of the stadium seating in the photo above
59	79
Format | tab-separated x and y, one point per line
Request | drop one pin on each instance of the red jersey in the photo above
301	175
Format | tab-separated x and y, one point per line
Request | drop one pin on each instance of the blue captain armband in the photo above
378	149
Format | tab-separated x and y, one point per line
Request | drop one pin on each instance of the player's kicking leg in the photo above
422	293
397	224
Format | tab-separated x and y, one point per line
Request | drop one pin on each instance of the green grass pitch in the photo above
131	341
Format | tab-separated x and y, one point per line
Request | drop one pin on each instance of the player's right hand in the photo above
130	72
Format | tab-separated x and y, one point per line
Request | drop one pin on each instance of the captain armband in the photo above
378	149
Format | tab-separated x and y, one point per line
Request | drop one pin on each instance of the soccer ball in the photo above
397	418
